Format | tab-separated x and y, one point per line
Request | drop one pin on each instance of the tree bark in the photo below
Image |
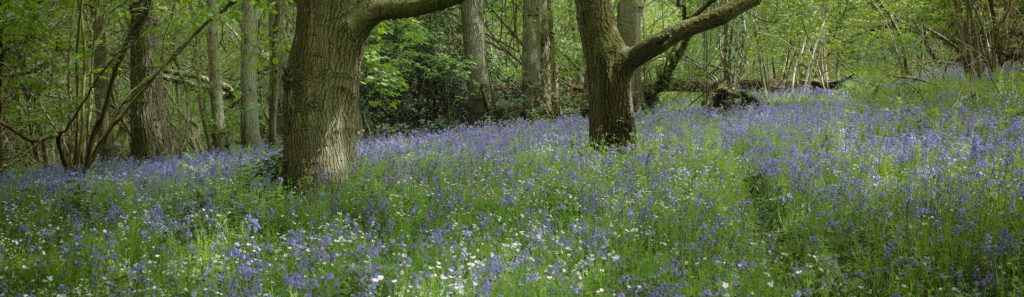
102	83
610	62
149	114
480	96
250	123
220	137
630	22
277	62
322	81
536	55
3	132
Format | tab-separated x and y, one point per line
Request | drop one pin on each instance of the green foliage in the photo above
415	75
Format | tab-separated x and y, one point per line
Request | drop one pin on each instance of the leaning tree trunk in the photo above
250	123
480	99
220	136
610	62
149	114
322	81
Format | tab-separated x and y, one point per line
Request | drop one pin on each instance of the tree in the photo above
610	62
3	138
220	137
102	84
631	25
537	57
664	76
250	123
322	81
276	69
149	113
480	98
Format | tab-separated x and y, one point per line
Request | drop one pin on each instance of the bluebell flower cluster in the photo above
813	194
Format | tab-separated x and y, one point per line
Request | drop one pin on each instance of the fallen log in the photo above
752	84
726	98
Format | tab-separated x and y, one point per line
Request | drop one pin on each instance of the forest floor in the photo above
898	189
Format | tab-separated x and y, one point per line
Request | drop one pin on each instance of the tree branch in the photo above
24	137
504	48
643	51
189	78
399	9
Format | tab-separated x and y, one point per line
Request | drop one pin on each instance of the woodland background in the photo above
417	74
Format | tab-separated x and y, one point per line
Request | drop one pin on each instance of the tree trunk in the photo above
102	83
149	114
322	82
630	21
664	76
220	137
276	69
250	123
610	62
3	132
537	55
480	98
549	58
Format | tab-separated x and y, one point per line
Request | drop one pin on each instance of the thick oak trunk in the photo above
610	111
322	81
611	108
250	124
149	114
480	98
323	91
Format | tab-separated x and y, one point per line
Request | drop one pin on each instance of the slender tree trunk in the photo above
549	57
631	24
102	83
664	77
277	62
610	62
536	55
250	123
480	98
3	101
726	44
149	114
219	133
322	81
